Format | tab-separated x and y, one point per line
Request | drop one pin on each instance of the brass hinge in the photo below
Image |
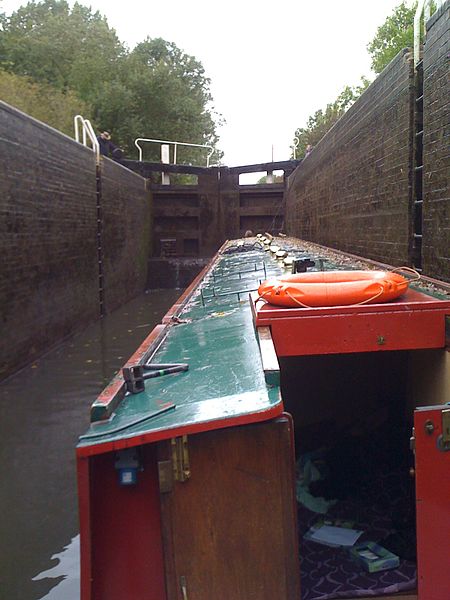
446	426
180	458
175	468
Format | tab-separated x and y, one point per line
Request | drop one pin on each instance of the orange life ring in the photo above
333	288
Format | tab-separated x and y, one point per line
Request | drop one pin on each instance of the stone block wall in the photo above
354	192
436	146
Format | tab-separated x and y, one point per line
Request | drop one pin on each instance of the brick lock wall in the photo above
436	149
48	269
353	192
49	277
126	233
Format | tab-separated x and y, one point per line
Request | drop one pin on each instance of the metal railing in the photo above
87	131
294	147
175	144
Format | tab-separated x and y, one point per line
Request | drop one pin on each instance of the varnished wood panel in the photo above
230	530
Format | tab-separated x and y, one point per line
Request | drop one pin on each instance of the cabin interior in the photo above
353	419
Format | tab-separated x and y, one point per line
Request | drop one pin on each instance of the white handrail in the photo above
295	146
87	131
175	144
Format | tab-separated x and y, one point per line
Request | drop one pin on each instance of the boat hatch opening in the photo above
352	377
353	418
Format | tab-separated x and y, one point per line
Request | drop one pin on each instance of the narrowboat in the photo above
252	451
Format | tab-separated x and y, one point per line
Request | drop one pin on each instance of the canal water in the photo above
43	410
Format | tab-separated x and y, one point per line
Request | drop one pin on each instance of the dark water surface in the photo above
43	410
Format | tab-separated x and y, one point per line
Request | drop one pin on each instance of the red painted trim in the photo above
374	332
411	301
127	549
164	434
432	514
84	514
114	392
414	321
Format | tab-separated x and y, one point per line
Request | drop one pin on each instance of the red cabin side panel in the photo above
125	533
432	498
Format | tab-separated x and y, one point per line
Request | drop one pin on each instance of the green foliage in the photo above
69	49
166	95
396	33
275	179
42	101
155	91
322	120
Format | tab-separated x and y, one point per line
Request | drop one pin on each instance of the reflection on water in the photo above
43	410
66	573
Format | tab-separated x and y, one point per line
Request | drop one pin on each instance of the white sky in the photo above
271	64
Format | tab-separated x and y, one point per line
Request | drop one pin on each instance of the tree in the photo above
42	101
396	33
69	49
155	91
322	120
168	98
275	179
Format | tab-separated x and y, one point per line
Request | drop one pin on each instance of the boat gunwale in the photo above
113	394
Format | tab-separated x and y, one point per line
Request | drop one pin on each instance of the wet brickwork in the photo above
353	192
436	200
49	272
126	233
358	190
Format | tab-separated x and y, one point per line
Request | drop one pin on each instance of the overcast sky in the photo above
271	64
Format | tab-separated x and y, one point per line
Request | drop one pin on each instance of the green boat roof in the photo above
213	332
225	383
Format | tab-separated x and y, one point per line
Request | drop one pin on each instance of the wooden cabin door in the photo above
229	531
432	457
